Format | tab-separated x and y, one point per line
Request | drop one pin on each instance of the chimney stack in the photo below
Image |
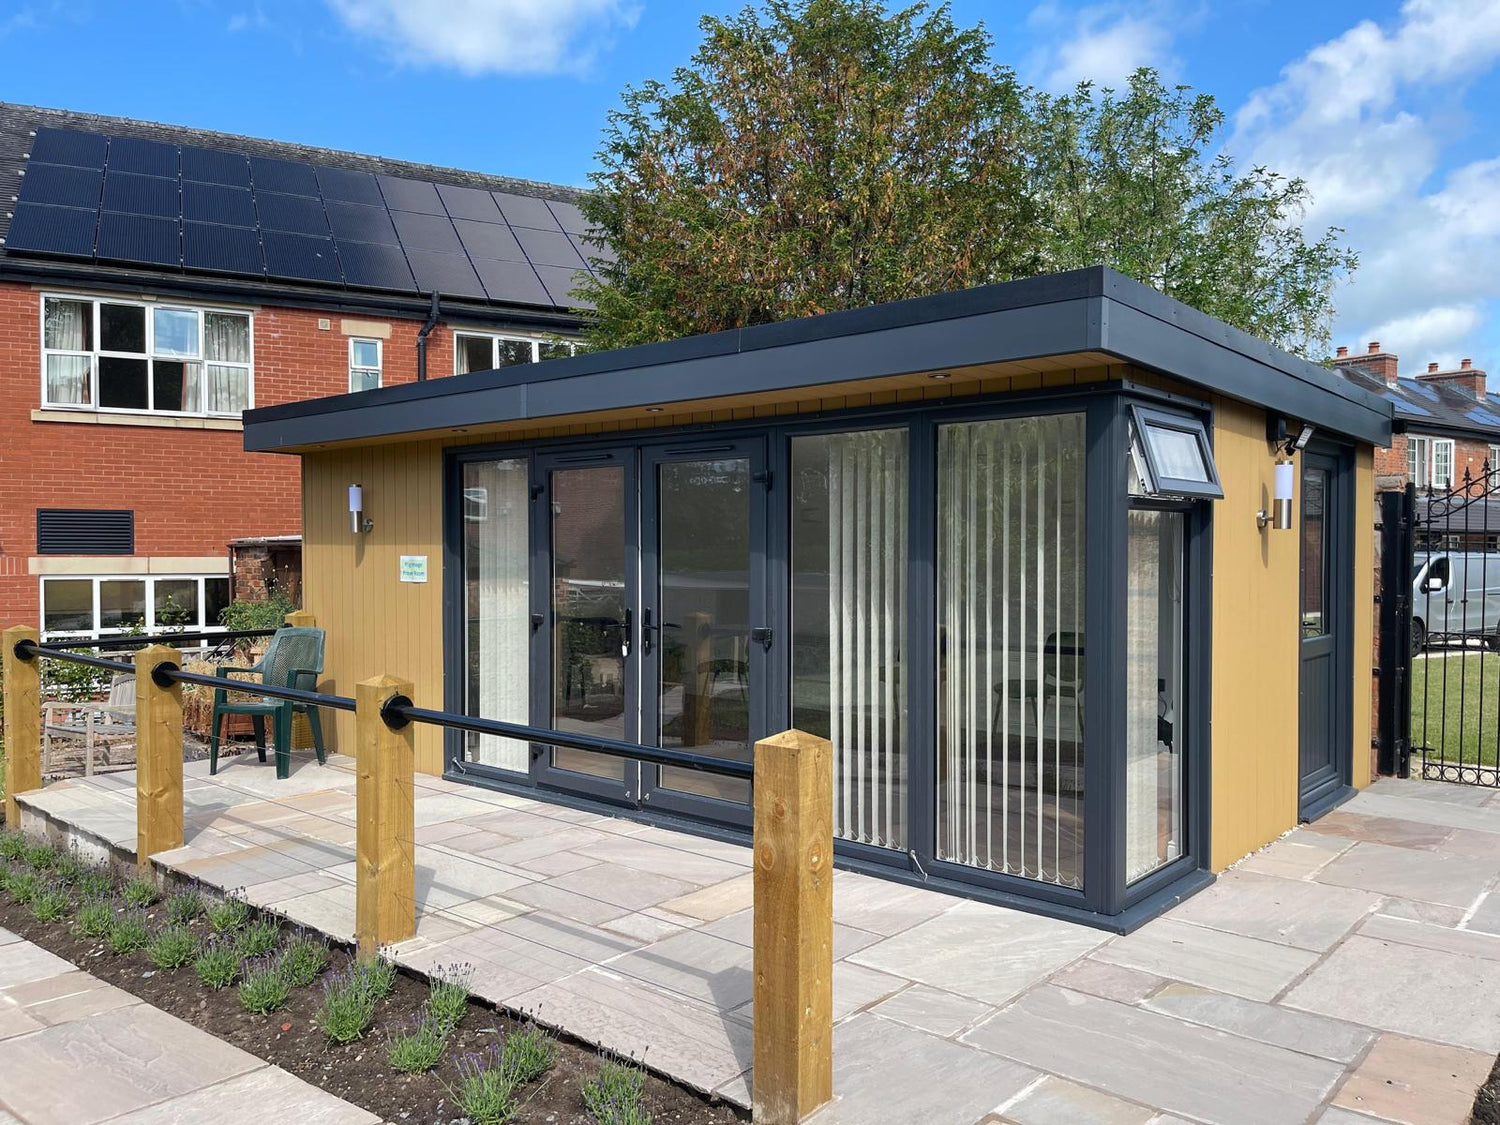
1465	364
1374	347
1431	367
1343	352
1375	362
1467	378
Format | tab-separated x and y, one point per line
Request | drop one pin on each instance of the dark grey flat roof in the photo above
1089	310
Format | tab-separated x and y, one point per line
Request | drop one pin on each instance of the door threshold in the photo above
1325	804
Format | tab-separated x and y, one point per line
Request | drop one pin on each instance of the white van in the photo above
1455	596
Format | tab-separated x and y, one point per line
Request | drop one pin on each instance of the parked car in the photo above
1456	595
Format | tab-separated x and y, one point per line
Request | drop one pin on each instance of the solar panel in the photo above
142	195
488	240
145	158
69	146
298	213
214	166
560	282
61	185
140	238
446	273
374	266
526	211
568	216
351	187
548	247
52	230
288	176
300	256
411	195
593	251
360	223
427	232
215	203
470	203
511	282
208	246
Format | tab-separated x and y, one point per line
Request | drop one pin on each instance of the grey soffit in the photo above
1090	310
124	200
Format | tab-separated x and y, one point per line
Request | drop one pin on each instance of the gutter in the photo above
426	330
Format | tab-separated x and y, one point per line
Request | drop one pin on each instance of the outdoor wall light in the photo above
1280	516
357	520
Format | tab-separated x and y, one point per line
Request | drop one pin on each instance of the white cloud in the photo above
491	36
1369	119
1101	43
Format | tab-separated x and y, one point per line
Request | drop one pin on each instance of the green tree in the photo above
828	154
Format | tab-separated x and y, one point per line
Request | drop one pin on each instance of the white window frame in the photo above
150	625
495	339
356	369
1440	445
94	301
1494	458
1418	459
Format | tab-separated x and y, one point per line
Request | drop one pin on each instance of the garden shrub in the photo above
262	987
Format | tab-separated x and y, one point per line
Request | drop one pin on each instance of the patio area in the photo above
1347	974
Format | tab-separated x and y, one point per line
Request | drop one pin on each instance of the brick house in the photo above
155	281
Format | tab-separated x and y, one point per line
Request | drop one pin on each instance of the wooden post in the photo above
301	730
385	888
158	756
23	721
793	927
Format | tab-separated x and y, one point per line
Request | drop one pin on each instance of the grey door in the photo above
1325	627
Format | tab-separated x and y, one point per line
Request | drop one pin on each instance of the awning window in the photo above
1171	456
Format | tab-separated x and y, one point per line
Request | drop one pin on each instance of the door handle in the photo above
646	630
626	635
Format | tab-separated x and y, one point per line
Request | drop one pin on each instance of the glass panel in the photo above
122	383
1153	695
122	603
122	328
497	552
176	386
1177	453
513	352
68	379
588	612
226	337
1010	641
228	389
176	603
68	605
364	380
366	353
849	621
555	351
174	332
69	326
475	353
215	600
1314	565
704	573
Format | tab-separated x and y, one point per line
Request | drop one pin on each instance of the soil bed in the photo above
1487	1101
357	1072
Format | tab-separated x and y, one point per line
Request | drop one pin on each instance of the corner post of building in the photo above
301	728
793	967
158	754
385	895
22	752
301	619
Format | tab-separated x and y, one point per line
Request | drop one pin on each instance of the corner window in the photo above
474	351
1170	456
130	356
364	364
123	604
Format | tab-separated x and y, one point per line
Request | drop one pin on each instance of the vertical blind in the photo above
1011	646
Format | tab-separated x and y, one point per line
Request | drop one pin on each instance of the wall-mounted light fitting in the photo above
1280	515
357	520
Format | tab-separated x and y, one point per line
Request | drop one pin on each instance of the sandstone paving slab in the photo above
1424	993
740	928
856	988
1430	936
133	1057
932	1010
1375	802
330	910
1481	845
1269	1023
1338	1115
694	964
886	1072
1019	950
628	887
279	890
718	900
1241	966
69	996
727	850
269	1094
1111	982
23	963
557	863
642	927
1414	911
1056	1101
1416	1083
1486	916
509	849
1409	873
1391	830
1298	856
1144	1056
15	1020
1469	795
658	859
693	1043
568	904
880	906
440	808
1307	915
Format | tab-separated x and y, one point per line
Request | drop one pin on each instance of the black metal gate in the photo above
1439	647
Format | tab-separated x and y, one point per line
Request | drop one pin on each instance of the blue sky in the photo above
1388	109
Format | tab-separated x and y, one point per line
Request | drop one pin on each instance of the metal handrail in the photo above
128	641
398	711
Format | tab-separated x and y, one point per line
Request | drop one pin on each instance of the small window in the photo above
1171	456
1494	458
1418	449
364	364
1442	462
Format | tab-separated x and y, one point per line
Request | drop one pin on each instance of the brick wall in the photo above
192	490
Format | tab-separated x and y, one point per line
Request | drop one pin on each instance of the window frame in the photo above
536	342
150	624
1494	458
1419	466
357	368
1156	484
1436	444
149	355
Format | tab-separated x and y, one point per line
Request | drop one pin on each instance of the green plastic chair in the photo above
293	659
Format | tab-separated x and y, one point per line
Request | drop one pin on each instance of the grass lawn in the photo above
1455	705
